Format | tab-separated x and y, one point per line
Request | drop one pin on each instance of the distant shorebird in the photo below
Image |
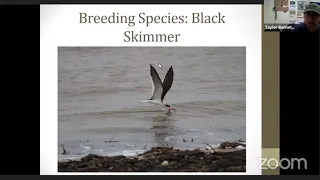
160	89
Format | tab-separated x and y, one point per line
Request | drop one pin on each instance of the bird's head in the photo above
169	107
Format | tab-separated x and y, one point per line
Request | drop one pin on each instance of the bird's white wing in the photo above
156	84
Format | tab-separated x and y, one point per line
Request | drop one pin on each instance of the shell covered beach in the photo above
228	157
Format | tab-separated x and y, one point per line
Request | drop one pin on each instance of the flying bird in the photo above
160	89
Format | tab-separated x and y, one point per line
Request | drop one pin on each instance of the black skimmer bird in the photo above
160	89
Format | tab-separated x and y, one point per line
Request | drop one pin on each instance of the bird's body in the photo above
155	102
159	88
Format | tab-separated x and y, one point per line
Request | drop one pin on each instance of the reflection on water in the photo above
163	127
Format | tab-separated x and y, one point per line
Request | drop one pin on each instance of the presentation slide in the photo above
152	89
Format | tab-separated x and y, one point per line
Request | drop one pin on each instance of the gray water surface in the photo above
100	89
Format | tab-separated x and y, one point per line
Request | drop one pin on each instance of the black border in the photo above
184	177
299	100
148	2
16	2
19	59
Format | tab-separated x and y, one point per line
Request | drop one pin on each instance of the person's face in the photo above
311	19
